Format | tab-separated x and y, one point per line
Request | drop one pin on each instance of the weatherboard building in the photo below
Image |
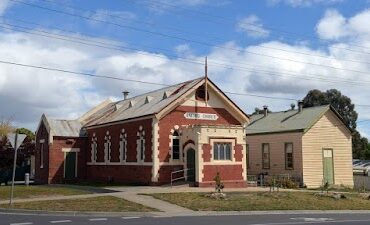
191	128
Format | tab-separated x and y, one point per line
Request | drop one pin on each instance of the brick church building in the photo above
191	127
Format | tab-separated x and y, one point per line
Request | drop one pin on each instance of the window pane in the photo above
175	149
222	151
265	156
215	152
141	149
124	150
228	151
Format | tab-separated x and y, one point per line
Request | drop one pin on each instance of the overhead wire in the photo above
182	59
189	40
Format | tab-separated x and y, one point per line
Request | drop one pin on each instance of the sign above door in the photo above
200	116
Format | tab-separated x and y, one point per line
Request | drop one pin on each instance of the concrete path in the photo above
151	202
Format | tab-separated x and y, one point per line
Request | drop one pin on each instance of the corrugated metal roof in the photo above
142	105
66	128
285	121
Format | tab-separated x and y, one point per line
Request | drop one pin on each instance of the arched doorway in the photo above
190	164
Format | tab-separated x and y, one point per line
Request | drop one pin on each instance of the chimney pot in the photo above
300	106
125	94
265	110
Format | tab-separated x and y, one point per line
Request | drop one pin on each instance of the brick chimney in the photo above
265	110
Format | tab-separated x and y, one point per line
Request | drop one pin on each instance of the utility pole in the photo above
206	81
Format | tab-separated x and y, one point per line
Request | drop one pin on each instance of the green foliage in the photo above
30	134
219	186
344	106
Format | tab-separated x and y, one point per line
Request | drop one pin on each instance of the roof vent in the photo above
265	110
125	94
300	106
148	99
118	106
166	94
132	103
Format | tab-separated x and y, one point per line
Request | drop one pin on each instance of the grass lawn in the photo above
95	204
21	191
265	201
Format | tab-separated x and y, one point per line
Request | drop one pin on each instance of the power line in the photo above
184	32
215	63
123	79
161	4
137	81
186	39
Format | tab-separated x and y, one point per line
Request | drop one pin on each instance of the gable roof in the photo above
287	121
139	106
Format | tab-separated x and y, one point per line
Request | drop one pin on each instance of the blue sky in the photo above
304	44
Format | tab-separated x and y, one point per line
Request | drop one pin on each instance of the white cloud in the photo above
27	93
334	26
253	27
4	4
302	3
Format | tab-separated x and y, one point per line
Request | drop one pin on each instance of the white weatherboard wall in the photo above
329	132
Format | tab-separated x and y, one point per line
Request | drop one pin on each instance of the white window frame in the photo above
269	154
107	148
42	142
172	152
94	148
123	146
286	155
140	145
219	145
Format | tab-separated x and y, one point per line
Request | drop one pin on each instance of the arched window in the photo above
175	145
123	146
107	147
200	94
94	148
140	143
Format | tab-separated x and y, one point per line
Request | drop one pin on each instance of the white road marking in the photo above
25	223
310	219
312	222
61	221
130	217
98	219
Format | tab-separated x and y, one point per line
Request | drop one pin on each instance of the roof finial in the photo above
206	81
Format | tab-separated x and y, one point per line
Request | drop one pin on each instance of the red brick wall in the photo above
131	129
41	175
238	153
123	174
207	148
137	174
176	117
56	158
231	175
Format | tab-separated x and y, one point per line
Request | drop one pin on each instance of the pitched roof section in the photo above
139	106
290	120
65	128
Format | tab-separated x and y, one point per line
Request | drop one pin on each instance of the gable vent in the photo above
132	103
166	94
148	99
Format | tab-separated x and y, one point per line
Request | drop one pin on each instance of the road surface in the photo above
267	219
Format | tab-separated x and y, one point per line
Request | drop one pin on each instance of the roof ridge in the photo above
156	90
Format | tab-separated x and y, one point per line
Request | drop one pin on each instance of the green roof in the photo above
286	121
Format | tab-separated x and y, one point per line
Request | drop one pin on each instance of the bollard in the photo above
27	179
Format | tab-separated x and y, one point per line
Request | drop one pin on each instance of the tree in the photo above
344	106
341	103
30	134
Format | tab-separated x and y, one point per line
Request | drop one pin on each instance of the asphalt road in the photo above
281	219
